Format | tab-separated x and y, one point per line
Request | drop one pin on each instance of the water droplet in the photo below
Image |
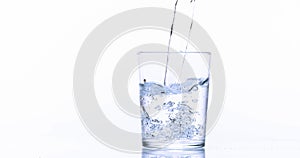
158	107
168	105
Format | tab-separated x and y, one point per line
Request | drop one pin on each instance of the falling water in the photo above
188	39
170	38
171	32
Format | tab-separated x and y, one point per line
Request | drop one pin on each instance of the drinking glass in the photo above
173	98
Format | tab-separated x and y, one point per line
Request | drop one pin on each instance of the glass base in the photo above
176	144
174	153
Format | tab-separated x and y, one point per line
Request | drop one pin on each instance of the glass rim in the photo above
157	52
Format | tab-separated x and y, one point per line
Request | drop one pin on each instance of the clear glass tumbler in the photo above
173	98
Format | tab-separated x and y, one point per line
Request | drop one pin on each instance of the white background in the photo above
258	41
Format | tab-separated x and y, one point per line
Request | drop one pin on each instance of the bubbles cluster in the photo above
177	118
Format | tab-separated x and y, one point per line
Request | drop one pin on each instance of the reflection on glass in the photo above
195	153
